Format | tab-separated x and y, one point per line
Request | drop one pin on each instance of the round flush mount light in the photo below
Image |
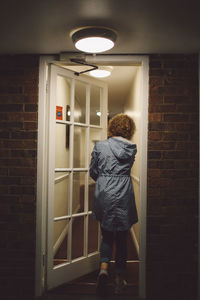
94	39
101	72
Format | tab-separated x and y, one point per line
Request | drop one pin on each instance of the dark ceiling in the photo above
143	26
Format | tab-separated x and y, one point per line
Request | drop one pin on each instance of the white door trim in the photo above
199	198
41	177
42	160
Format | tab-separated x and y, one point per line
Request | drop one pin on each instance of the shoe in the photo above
119	287
102	281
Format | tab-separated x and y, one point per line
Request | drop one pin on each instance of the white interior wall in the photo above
133	108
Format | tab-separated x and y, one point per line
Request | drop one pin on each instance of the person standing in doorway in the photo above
114	202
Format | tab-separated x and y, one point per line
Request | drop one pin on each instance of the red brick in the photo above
30	116
162	108
30	135
11	125
12	144
19	61
4	189
18	190
25	162
162	126
176	81
156	81
11	107
176	64
155	117
186	108
187	146
154	154
156	72
30	125
31	107
30	88
155	99
177	196
194	117
186	127
160	164
176	117
175	155
28	198
155	135
11	90
4	134
161	145
17	99
23	153
4	171
28	181
22	171
155	64
176	99
162	183
175	136
154	173
12	116
155	192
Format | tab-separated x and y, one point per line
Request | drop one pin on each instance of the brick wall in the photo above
18	157
172	177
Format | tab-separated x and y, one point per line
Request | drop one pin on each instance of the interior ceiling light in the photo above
101	72
94	39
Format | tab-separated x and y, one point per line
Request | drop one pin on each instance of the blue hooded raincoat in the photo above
114	202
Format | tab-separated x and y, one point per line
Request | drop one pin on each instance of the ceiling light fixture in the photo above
94	39
101	72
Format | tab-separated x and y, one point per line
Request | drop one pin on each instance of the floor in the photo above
89	297
85	287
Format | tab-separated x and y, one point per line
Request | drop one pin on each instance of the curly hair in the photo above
121	125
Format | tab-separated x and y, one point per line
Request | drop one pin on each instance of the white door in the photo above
78	118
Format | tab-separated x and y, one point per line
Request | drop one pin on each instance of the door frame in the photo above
199	197
42	159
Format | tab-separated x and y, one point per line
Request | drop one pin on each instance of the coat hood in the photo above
122	148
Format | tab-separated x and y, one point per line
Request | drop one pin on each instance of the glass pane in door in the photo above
95	136
95	105
61	194
71	231
63	98
79	147
77	237
91	189
62	146
61	229
78	201
80	102
92	235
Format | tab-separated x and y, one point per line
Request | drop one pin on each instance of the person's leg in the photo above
120	260
105	257
106	248
121	252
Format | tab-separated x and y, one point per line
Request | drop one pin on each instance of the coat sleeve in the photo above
94	164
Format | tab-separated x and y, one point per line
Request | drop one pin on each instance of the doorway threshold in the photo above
86	285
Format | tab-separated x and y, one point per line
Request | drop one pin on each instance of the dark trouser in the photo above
120	239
